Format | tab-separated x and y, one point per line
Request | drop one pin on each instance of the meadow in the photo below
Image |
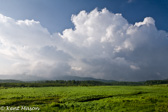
85	99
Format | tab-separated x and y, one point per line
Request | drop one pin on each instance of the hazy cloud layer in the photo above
102	45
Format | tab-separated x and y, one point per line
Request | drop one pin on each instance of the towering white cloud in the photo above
102	45
27	48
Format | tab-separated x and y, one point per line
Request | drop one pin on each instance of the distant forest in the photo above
14	83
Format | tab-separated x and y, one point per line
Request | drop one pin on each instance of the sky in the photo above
125	40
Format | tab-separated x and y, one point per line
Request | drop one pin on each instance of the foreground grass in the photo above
95	98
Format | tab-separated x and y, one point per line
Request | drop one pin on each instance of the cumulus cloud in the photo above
28	48
102	45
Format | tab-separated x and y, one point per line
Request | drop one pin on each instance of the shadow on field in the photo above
98	97
30	101
55	100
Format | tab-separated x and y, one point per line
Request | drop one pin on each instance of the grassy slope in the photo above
97	98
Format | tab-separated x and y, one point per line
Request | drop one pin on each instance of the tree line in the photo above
51	83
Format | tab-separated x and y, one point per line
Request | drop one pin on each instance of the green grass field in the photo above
82	99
